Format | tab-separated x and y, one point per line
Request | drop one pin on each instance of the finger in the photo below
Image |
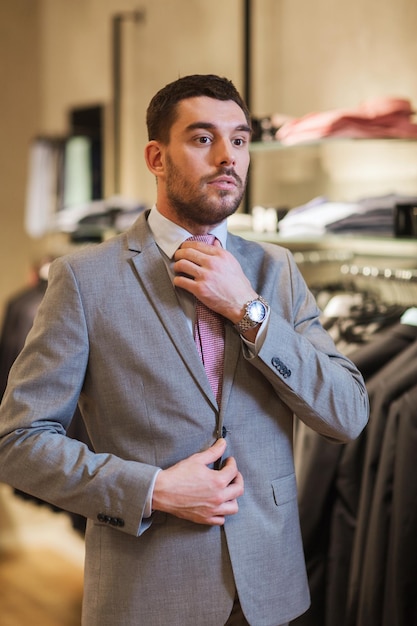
192	257
235	489
183	253
238	480
196	251
216	520
199	245
229	472
187	267
213	453
229	507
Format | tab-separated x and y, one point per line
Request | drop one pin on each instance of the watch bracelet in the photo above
245	324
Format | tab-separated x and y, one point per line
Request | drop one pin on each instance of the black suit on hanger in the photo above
386	386
329	481
384	346
374	567
17	322
316	462
400	596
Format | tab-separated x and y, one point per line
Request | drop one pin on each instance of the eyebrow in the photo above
210	126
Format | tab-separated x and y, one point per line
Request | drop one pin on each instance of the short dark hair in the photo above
162	109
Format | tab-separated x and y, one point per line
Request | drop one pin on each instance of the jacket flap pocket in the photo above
284	489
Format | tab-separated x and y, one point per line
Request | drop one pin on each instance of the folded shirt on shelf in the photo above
374	215
382	117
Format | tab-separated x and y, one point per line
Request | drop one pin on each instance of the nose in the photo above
226	153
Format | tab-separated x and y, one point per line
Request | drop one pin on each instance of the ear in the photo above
154	157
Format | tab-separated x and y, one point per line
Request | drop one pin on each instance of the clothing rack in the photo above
377	272
392	285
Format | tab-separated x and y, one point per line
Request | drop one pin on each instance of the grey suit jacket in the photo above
110	334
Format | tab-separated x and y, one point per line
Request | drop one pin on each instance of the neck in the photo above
189	225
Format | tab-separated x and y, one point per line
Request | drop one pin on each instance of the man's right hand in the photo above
191	490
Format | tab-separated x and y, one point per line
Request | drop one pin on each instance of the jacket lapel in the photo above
157	286
233	343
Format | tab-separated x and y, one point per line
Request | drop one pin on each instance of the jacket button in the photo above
113	521
280	367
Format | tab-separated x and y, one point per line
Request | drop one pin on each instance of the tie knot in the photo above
210	239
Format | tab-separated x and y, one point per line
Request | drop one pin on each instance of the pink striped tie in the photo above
209	335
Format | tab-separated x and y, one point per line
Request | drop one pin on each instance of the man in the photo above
191	500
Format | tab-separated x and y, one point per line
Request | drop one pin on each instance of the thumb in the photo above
213	453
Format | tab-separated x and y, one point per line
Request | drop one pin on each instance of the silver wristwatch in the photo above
255	313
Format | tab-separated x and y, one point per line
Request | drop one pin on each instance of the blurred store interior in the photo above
76	79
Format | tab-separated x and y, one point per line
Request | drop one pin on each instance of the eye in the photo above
204	139
239	141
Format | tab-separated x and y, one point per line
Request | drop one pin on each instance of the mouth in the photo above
224	182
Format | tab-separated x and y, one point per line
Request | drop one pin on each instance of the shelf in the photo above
342	170
344	247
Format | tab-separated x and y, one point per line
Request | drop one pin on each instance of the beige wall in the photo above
173	39
326	54
19	120
56	54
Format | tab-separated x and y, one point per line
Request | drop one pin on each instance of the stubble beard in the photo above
193	205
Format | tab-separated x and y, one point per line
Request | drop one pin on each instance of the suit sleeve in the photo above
36	456
298	357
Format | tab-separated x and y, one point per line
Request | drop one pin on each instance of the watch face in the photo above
256	311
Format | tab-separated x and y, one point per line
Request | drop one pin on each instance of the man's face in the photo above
206	161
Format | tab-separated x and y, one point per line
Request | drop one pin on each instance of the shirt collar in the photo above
170	236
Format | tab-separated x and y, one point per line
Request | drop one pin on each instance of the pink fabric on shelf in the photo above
381	117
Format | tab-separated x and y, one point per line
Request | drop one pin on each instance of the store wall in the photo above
313	56
57	54
19	120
